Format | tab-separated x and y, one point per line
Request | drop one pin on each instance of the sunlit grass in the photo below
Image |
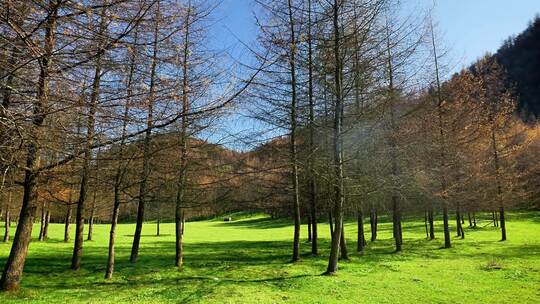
247	261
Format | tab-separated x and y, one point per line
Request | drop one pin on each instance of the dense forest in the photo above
113	112
520	58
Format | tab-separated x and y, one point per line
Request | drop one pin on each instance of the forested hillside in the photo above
520	57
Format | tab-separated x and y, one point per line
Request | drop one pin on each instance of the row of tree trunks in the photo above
45	219
495	218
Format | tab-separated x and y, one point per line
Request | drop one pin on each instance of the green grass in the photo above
246	261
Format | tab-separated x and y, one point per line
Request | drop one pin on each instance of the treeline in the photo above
374	126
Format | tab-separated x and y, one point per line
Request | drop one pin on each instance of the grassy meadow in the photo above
247	261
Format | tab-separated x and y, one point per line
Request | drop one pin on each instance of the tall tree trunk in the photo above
120	169
293	147
179	260
373	222
338	148
143	186
90	134
396	224
331	223
182	176
446	229
344	252
158	222
183	223
42	222
458	219
396	214
361	241
112	234
470	219
496	165
67	221
91	219
426	224
46	225
7	219
312	161
442	143
503	223
431	224
93	210
309	228
12	274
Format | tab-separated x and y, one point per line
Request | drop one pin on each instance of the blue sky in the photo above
469	27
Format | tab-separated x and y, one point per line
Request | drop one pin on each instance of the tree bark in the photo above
120	169
344	252
442	144
92	214
90	134
373	222
331	223
361	241
426	224
447	243
309	228
7	219
67	221
13	269
312	182
46	225
338	148
458	220
396	214
503	223
396	224
182	176
143	186
431	225
112	234
42	223
293	147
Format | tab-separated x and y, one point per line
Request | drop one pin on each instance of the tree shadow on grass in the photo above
258	223
208	266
